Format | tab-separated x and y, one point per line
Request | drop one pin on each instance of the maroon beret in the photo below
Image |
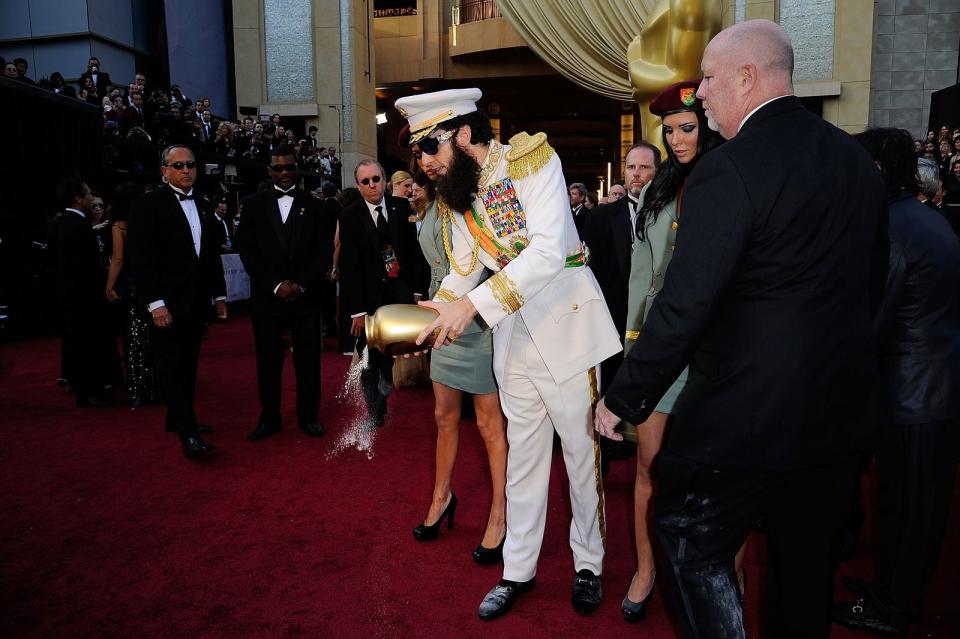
681	96
403	139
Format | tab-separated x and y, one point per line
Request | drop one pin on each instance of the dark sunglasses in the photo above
367	181
179	165
430	146
281	168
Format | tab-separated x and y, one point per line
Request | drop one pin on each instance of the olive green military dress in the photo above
466	364
648	265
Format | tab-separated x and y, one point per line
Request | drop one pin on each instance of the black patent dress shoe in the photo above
586	592
94	401
489	556
634	611
501	597
196	448
870	616
313	429
204	429
262	431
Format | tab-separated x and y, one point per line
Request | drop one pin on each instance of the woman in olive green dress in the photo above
686	138
465	366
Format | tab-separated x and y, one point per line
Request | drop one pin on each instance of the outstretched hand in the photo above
452	319
605	422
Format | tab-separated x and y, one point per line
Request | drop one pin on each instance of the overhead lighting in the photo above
381	118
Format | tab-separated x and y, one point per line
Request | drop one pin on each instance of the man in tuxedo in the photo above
380	263
134	114
770	298
224	227
578	199
609	232
287	250
335	165
208	129
87	345
101	81
176	263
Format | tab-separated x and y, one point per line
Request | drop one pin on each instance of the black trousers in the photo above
304	328
88	353
377	377
916	472
176	350
704	515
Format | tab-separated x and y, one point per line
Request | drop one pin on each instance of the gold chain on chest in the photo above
446	218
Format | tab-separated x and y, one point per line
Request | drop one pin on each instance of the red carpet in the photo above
107	531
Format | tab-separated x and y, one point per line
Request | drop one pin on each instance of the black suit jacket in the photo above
165	264
301	250
920	316
580	218
363	278
607	233
72	244
770	296
102	84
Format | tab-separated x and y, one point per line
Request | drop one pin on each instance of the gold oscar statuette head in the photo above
394	328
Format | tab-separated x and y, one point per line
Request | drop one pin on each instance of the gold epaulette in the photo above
528	154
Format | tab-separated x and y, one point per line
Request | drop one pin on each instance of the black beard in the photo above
461	181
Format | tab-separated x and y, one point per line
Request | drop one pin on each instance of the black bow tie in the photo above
280	194
184	196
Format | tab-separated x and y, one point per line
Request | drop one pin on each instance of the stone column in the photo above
342	100
915	54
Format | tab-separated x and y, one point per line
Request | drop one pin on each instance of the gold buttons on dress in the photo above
575	307
674	226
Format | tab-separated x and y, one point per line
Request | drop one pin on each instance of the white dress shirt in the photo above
634	206
285	203
193	219
78	212
744	120
373	212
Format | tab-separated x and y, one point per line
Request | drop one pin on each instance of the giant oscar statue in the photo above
669	49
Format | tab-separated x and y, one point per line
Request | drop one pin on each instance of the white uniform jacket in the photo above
521	229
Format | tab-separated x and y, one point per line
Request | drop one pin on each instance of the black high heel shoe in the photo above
489	556
431	532
633	611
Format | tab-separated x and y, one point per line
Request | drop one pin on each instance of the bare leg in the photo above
741	572
649	439
491	427
447	415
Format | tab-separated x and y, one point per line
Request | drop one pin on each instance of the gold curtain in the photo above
585	40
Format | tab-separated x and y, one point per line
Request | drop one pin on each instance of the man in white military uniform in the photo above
551	327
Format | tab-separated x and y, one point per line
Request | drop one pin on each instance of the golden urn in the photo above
394	328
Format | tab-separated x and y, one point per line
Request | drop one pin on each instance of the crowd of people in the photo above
143	112
761	339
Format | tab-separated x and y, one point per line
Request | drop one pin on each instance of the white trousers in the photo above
535	405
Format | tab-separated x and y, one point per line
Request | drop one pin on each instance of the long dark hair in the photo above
420	177
671	175
892	149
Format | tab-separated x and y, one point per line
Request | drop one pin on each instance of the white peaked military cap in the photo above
425	111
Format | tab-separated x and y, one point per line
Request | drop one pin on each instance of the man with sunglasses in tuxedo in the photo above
380	263
176	262
287	249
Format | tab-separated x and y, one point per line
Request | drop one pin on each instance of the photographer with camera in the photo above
99	79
